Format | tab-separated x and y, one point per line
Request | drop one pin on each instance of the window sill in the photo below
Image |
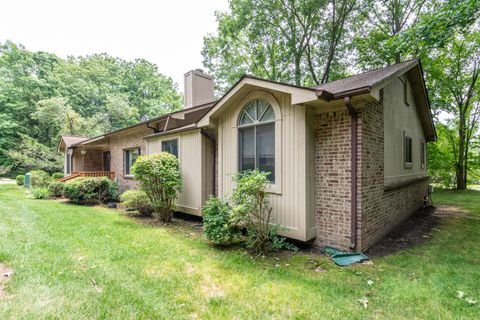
408	165
274	189
128	176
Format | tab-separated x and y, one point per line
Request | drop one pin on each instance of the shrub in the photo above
39	178
217	227
20	179
56	189
39	192
137	200
57	175
160	178
253	212
91	190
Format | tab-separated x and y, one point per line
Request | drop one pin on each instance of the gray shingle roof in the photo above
364	80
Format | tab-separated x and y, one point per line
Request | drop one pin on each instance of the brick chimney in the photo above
199	88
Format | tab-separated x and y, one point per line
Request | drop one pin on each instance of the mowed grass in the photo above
75	262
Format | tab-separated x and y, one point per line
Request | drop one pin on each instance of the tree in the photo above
454	72
294	41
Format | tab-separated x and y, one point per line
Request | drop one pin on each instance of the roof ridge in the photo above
365	72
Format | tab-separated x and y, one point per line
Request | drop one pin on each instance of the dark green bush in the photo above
39	192
217	224
57	175
56	189
39	178
160	178
20	179
137	200
91	190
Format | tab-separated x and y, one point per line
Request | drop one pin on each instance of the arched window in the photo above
256	137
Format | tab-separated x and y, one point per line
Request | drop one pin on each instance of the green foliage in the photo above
30	154
137	200
20	179
91	190
39	178
217	222
39	192
252	212
57	175
160	178
43	96
56	189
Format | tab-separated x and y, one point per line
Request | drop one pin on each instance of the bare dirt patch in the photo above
415	230
5	274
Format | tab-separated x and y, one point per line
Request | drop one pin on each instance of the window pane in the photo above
127	162
269	115
262	106
251	109
247	149
266	149
170	146
408	149
245	119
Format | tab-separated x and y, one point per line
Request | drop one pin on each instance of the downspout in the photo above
353	164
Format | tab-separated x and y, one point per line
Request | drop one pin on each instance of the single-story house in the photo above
347	159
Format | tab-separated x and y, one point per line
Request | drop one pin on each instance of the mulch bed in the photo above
415	230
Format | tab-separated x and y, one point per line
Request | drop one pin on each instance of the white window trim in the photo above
275	187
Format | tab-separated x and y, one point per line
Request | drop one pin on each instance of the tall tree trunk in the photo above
460	166
298	74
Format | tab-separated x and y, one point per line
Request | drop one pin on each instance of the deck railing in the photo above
90	174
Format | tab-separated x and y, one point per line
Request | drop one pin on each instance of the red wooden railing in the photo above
91	174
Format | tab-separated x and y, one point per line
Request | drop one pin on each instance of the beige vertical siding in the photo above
191	157
293	206
400	118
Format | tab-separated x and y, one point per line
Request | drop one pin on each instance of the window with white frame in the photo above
130	156
256	137
170	146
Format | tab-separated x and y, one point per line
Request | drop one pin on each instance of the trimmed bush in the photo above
39	178
137	200
56	189
91	190
20	179
217	224
160	178
57	175
39	192
254	212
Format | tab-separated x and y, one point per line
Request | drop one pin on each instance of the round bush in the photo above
20	179
39	178
217	226
91	190
137	200
160	178
57	175
56	189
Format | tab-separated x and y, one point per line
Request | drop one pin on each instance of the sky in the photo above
167	33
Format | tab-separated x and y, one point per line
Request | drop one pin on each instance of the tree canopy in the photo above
43	96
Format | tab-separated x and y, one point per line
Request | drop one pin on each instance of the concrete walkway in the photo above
7	181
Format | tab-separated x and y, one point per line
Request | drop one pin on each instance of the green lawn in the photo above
74	262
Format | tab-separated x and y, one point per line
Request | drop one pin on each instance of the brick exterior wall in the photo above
117	144
332	178
379	210
92	160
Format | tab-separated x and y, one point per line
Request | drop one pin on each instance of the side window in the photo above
405	91
69	163
130	156
407	143
170	146
422	155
